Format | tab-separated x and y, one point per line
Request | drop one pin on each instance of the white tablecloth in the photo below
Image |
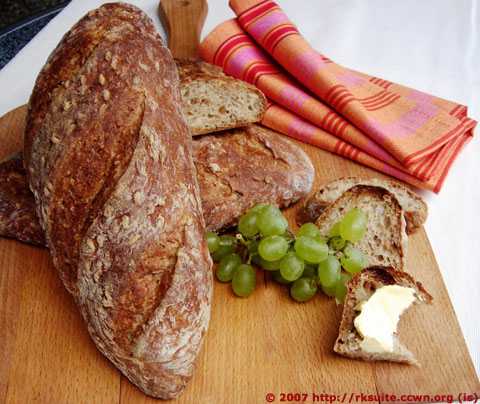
430	45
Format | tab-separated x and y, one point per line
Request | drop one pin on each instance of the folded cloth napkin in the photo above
394	129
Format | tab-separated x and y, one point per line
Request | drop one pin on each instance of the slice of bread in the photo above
385	239
414	207
213	101
359	289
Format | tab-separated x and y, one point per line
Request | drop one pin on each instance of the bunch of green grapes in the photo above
303	262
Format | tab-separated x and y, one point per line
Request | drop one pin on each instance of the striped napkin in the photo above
400	131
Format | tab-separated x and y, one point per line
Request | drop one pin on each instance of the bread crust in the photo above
360	288
191	69
18	217
415	208
240	168
108	158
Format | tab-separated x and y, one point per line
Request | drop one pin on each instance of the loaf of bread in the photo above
414	207
239	168
385	240
359	289
213	101
108	158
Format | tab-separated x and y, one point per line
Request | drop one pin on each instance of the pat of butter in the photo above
379	317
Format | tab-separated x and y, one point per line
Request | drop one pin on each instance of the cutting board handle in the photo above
183	21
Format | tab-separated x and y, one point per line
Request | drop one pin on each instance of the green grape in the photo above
310	230
270	265
257	260
258	207
330	291
277	277
337	243
311	249
341	288
244	280
272	248
213	241
303	289
329	271
253	246
227	266
291	266
271	222
288	236
353	260
248	224
335	230
290	247
309	272
228	245
353	225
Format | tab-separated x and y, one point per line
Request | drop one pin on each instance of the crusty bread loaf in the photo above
213	101
359	289
236	169
18	217
108	158
414	207
239	168
385	240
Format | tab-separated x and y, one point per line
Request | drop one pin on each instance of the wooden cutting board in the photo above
263	345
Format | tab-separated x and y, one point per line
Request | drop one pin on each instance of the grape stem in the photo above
250	257
290	232
242	240
347	243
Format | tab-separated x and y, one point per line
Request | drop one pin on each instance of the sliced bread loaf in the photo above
236	169
414	207
359	289
239	168
385	240
213	101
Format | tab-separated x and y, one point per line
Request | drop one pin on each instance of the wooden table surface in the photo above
263	345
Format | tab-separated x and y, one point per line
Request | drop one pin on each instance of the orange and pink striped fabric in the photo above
394	129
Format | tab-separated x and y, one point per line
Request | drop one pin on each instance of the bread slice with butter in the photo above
363	292
385	240
414	207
